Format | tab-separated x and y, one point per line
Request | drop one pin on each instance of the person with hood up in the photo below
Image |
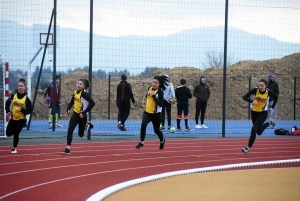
273	86
202	93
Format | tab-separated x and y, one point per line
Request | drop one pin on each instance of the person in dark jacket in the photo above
202	93
124	94
17	107
182	95
54	106
273	86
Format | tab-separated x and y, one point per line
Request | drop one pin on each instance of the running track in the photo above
41	172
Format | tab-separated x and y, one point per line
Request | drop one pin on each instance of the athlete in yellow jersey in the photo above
83	103
17	107
152	113
259	110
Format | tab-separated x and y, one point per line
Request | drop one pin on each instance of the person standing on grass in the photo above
273	86
53	104
17	107
169	98
183	94
124	94
259	113
152	113
202	93
83	104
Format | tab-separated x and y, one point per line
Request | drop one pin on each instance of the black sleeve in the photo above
28	108
87	97
189	93
131	94
246	97
159	100
195	92
7	105
276	89
47	92
71	103
272	94
208	92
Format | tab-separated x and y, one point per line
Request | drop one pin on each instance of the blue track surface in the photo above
39	128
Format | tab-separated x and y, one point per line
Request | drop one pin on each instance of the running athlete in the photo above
83	103
17	107
259	110
152	113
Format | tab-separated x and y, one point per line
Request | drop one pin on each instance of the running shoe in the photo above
203	126
139	145
245	150
162	145
66	151
198	126
14	151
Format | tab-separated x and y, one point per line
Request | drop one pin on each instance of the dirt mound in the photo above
238	80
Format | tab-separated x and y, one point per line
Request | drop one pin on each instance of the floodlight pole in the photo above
90	61
224	69
54	98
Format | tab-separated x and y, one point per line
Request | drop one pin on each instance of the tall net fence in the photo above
144	38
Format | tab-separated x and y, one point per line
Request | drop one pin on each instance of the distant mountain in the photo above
134	53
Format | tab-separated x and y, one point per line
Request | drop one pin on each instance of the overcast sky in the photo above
279	19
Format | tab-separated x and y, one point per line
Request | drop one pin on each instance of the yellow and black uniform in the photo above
259	111
83	103
18	118
152	113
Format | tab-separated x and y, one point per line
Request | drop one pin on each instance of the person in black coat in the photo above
183	94
124	94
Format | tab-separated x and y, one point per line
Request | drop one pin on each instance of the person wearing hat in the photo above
183	94
202	93
169	96
273	86
124	95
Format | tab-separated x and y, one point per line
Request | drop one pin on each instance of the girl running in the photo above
152	113
17	107
83	103
259	110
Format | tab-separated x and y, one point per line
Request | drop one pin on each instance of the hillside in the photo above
285	69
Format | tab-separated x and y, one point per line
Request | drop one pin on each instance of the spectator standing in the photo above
169	96
124	95
202	93
53	104
273	86
183	94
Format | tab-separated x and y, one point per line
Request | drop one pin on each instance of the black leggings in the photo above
74	120
258	119
124	112
15	127
166	108
200	108
155	118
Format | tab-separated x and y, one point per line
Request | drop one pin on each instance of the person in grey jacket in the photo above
169	98
202	93
273	86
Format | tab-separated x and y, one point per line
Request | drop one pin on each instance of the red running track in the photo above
93	166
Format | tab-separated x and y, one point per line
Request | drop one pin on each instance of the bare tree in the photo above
216	59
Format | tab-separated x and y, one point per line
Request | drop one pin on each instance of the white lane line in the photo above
110	190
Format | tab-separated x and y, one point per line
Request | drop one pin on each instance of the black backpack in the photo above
281	131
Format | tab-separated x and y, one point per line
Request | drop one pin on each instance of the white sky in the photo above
279	19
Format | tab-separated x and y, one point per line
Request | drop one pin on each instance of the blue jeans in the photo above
274	112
